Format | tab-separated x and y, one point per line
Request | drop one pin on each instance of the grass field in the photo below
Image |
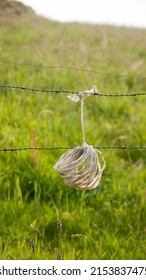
33	195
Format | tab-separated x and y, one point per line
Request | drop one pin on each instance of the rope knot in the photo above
78	96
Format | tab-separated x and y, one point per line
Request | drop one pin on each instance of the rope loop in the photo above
81	167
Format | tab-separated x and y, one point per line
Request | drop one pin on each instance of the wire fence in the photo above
124	147
73	68
58	91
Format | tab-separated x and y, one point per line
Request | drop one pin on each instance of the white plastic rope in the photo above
80	166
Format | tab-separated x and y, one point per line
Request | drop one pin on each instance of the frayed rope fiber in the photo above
80	167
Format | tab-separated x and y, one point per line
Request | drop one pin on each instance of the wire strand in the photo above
73	68
124	147
58	91
36	89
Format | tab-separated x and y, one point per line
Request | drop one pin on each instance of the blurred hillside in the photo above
12	10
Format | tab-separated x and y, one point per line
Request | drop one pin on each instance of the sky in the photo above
114	12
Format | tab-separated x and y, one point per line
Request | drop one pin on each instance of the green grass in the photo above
112	217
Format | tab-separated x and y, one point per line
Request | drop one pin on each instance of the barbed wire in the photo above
58	91
124	147
38	89
73	68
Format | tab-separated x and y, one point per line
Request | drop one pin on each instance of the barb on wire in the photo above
73	68
124	147
58	91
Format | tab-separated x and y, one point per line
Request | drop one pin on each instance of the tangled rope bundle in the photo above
81	167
